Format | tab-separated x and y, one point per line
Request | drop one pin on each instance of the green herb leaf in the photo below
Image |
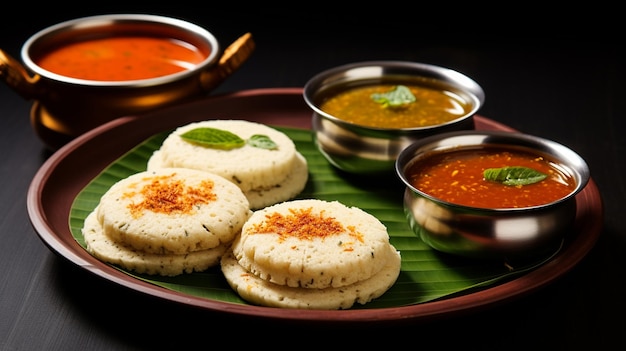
214	138
262	142
515	175
399	96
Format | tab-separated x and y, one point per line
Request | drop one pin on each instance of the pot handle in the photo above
16	77
232	58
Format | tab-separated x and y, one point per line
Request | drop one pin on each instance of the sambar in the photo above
367	105
354	146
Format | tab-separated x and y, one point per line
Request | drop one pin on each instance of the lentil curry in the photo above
431	106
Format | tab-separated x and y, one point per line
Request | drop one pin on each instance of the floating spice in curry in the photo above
166	194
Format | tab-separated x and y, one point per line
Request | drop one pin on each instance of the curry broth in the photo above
457	177
122	58
434	105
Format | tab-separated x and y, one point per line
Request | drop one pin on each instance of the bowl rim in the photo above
459	140
110	20
378	68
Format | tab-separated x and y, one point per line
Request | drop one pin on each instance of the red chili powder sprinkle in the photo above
302	224
165	194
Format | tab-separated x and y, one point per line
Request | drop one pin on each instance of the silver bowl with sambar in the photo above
491	194
366	113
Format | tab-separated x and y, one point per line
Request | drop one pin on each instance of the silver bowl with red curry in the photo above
366	113
491	194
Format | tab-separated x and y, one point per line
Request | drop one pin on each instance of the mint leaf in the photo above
515	175
262	142
399	96
225	140
214	138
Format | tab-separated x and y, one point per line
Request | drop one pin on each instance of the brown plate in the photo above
61	178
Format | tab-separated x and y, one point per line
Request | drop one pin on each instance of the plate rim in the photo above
520	286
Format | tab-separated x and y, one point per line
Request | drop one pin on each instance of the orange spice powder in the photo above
165	194
302	224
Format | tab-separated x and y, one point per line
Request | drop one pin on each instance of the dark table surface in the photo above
555	82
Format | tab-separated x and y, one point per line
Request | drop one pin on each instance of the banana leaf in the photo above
426	275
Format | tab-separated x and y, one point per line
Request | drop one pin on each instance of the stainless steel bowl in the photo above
509	233
367	150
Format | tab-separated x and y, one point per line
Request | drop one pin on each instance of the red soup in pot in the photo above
460	177
122	58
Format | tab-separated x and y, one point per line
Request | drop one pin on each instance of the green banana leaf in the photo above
426	274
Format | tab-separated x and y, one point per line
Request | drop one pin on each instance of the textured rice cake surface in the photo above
262	292
260	197
248	166
173	211
312	244
105	249
266	176
287	189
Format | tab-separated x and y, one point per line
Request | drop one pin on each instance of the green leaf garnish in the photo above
262	142
213	137
399	96
515	175
225	140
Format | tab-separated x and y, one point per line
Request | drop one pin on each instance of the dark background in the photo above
557	74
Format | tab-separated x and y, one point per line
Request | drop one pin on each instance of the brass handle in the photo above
16	77
232	58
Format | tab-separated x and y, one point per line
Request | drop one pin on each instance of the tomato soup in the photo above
431	106
458	177
122	58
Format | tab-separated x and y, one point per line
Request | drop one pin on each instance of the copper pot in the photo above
66	107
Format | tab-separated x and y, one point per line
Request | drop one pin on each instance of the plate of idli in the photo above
70	184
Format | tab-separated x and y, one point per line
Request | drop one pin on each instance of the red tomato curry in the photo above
122	58
457	177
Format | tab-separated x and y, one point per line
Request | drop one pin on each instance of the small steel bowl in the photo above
491	233
371	150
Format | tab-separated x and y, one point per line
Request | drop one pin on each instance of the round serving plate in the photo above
62	177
